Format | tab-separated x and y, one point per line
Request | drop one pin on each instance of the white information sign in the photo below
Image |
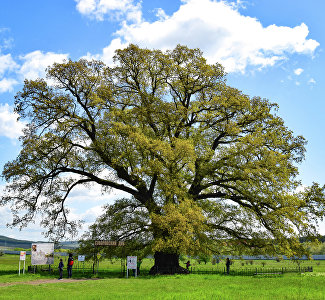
22	258
22	255
131	263
81	257
42	254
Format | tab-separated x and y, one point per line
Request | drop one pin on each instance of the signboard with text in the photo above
81	257
22	255
109	243
131	262
42	254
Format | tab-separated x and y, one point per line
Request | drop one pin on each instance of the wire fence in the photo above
252	271
87	270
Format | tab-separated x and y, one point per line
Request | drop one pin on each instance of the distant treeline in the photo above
25	244
304	239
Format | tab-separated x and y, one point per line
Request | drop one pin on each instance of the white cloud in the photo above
7	84
224	35
108	52
117	9
86	7
32	232
89	216
36	62
82	196
312	81
160	14
7	64
298	71
32	66
84	203
9	126
5	215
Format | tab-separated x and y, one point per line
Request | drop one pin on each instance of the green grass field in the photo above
288	286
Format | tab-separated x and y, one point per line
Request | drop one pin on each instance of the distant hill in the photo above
14	243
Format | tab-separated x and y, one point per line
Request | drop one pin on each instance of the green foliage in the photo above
316	248
208	169
204	258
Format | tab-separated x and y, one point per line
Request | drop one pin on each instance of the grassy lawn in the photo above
175	287
288	286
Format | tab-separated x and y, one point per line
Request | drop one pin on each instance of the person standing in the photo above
70	264
188	263
228	264
61	265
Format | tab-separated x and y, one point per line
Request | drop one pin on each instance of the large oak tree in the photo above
207	167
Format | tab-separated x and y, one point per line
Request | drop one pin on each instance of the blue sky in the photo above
273	49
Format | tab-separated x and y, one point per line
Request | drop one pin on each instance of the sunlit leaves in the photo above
205	163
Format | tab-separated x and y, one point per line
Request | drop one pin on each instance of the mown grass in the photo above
288	286
176	287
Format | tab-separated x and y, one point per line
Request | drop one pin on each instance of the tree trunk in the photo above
167	263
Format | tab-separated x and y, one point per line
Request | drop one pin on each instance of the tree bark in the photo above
167	263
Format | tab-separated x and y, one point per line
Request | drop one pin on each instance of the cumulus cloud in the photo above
9	126
89	216
160	14
7	64
224	35
116	9
35	63
7	84
298	71
83	195
31	66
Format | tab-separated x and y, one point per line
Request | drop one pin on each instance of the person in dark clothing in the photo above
228	264
61	265
188	263
70	264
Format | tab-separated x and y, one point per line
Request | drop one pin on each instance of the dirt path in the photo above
44	281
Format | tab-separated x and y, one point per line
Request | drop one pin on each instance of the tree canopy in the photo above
207	167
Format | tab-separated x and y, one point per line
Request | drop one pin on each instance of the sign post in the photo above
81	258
22	257
131	263
104	243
